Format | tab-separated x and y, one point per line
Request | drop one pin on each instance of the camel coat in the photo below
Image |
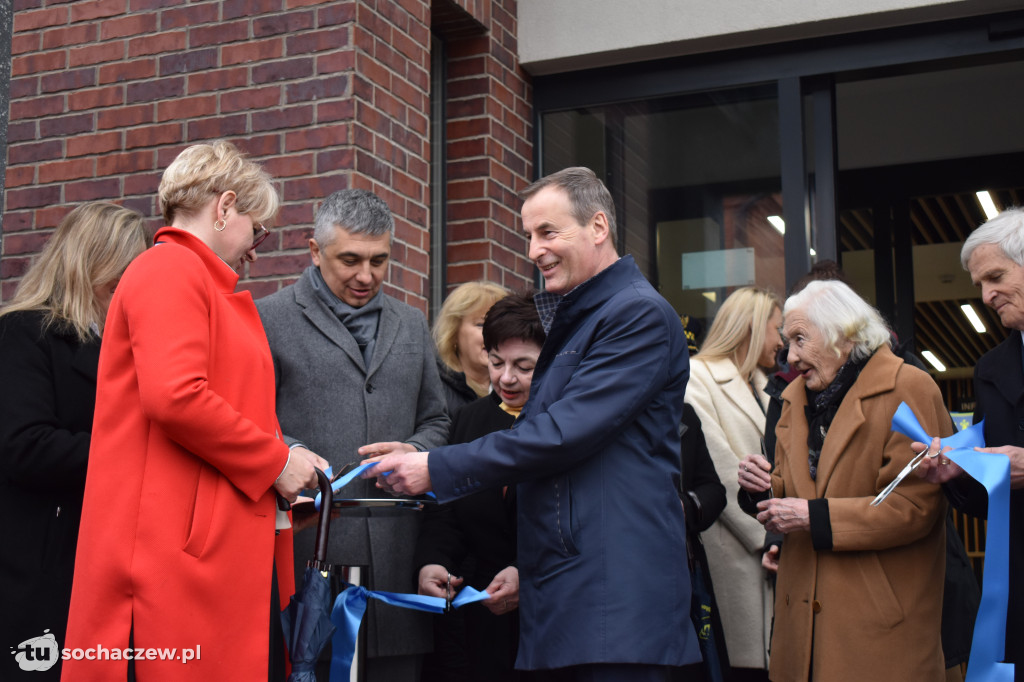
862	598
733	425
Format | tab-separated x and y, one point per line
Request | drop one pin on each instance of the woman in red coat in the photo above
177	546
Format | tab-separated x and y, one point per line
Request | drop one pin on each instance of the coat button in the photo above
369	388
816	606
787	600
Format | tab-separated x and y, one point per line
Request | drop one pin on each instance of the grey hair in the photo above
587	194
1006	231
357	211
840	315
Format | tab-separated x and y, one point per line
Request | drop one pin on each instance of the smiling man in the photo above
355	366
595	453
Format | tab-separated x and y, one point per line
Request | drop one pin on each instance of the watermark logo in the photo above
37	654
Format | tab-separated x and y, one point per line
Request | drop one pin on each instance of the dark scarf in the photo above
360	322
822	406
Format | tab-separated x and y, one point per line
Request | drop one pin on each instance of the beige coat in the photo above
733	425
870	607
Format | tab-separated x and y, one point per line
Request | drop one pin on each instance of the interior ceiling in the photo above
940	325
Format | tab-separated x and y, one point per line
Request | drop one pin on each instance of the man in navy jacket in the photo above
604	591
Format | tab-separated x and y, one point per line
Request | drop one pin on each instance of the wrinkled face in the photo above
566	252
470	340
772	340
810	354
1002	284
353	265
511	368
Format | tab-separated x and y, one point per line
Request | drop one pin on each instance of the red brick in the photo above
317	137
62	126
191	15
25	242
96	54
221	33
58	171
341	110
50	216
235	9
253	99
79	34
97	9
144	184
131	25
152	136
253	51
283	23
157	44
290	166
123	117
189	61
38	62
260	145
136	69
334	160
19	176
18	221
282	117
37	107
288	264
85	145
121	164
24	43
34	152
71	79
32	197
287	69
342	60
24	87
212	128
289	4
96	98
186	107
336	13
32	20
220	79
314	89
92	190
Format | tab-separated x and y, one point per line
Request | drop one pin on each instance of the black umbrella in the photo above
307	620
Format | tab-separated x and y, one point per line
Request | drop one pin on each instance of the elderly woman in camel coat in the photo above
859	593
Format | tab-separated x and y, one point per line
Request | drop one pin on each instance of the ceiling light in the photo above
987	205
778	223
934	361
813	252
711	296
972	315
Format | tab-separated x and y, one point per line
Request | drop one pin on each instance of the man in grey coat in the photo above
356	368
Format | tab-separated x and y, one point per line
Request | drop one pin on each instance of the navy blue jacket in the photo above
601	546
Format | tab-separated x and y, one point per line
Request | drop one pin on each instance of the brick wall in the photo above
328	95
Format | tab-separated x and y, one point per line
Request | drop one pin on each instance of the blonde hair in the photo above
742	317
465	299
203	171
91	247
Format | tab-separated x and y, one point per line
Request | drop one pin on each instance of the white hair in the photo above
840	315
1006	231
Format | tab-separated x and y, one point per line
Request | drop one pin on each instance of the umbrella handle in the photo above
323	526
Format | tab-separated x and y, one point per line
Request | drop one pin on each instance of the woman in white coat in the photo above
726	389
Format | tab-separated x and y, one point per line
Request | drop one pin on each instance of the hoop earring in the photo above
223	223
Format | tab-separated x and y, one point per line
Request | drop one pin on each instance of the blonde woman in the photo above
178	544
726	389
49	349
458	334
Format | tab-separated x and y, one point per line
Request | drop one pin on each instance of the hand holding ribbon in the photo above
993	472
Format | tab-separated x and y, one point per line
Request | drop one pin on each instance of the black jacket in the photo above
47	397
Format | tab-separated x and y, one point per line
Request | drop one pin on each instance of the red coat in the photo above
177	536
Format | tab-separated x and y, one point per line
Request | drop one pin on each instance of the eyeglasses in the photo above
259	234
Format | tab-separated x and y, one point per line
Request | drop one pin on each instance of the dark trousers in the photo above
607	672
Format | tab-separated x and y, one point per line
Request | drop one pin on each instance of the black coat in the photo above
702	491
999	392
47	398
475	537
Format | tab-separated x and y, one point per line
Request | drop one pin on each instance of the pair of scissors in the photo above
927	453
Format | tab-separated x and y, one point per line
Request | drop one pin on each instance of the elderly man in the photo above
994	255
355	366
604	594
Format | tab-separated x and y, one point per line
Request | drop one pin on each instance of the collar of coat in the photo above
878	376
726	374
321	317
224	276
1002	367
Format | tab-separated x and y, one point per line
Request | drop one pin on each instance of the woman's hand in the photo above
755	474
770	559
386	448
504	591
784	515
939	469
433	581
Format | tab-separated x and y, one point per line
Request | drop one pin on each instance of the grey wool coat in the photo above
331	402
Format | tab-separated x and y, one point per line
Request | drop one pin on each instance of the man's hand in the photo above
504	591
770	559
433	581
386	448
299	473
784	515
1016	456
755	474
937	470
401	474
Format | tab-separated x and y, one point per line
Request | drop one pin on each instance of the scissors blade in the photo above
903	474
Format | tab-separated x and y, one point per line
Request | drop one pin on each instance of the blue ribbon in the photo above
349	607
993	472
348	478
